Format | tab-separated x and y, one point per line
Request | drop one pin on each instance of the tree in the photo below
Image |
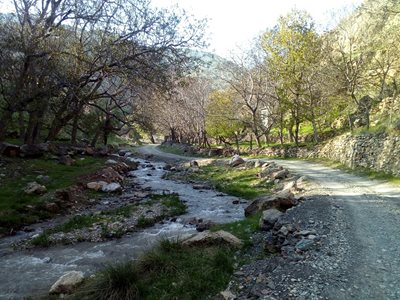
224	121
349	61
247	76
68	55
293	56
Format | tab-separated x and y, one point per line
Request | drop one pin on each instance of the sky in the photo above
234	23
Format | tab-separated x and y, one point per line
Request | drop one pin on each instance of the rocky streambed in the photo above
27	272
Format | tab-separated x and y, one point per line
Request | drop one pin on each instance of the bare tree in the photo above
247	76
66	54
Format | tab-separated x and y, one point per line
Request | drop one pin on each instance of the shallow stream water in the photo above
32	272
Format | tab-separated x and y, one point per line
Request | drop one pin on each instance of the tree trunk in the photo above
95	137
74	131
237	144
21	125
151	137
32	131
4	123
296	133
55	129
258	140
291	135
315	130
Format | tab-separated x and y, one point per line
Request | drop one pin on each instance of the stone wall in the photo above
379	152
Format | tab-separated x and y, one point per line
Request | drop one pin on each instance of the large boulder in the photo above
9	150
90	150
282	201
208	238
267	170
110	174
236	160
31	151
67	283
281	174
269	218
35	188
123	168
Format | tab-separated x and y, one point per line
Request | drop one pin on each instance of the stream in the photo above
32	272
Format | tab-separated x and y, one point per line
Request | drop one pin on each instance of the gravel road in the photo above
365	234
360	258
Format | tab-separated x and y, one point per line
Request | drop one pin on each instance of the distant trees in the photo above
224	121
86	68
63	60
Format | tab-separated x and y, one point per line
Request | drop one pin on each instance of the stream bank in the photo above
31	272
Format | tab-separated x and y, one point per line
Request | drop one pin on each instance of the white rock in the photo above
111	162
269	218
213	238
66	283
112	187
35	188
96	185
227	295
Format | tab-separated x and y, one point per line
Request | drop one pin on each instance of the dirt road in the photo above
362	217
370	232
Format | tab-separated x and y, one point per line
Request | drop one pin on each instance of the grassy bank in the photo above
18	173
175	271
173	207
170	271
232	181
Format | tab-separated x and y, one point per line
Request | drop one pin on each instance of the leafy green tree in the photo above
293	50
223	121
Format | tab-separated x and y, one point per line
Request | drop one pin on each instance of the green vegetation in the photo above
144	222
41	241
14	201
173	207
236	182
172	202
170	271
243	229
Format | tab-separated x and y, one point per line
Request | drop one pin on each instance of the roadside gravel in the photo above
357	251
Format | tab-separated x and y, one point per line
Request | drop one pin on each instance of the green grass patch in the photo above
170	271
22	171
242	229
144	222
76	222
41	241
171	201
232	181
124	211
